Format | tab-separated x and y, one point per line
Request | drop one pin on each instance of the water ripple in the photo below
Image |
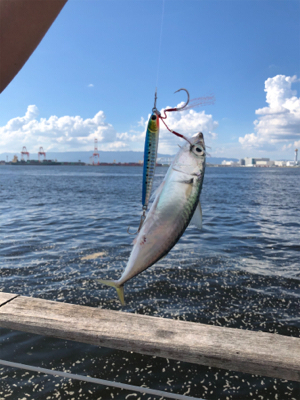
64	227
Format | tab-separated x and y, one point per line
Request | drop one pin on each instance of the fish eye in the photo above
197	150
153	117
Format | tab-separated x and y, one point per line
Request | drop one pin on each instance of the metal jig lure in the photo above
150	152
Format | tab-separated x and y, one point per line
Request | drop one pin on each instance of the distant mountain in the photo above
105	156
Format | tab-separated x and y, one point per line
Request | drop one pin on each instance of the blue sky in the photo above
94	75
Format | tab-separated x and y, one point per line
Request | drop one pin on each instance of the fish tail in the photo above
119	288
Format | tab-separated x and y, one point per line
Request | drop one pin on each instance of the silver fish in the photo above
175	204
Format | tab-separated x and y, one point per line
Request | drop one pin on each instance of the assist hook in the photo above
177	108
187	102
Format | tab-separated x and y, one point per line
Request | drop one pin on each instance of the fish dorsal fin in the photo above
197	217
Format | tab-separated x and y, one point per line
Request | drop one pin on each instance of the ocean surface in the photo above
63	227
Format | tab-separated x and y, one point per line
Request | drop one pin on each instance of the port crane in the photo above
24	152
41	153
96	153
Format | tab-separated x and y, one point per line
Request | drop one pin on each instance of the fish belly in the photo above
166	221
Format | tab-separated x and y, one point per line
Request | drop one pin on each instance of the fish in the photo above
176	204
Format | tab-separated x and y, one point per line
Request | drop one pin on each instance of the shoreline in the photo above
76	164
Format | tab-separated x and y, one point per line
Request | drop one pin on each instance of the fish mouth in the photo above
198	138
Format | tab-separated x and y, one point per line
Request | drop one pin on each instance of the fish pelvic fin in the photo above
119	288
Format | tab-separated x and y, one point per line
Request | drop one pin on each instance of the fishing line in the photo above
151	141
104	382
160	40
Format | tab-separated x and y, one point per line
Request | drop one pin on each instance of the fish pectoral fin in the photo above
188	181
197	217
119	288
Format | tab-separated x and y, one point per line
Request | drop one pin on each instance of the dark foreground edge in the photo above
246	351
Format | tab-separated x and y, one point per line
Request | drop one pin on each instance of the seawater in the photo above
63	227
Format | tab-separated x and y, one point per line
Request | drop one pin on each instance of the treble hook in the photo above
143	217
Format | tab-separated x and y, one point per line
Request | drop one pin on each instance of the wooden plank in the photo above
6	297
234	349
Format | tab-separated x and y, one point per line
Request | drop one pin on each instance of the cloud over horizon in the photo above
73	133
278	124
66	133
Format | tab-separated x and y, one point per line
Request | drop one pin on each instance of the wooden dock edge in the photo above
246	351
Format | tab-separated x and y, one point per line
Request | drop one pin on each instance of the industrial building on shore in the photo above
263	162
266	162
259	162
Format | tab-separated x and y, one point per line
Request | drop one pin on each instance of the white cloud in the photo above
141	122
188	123
91	85
287	146
57	133
70	133
278	123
